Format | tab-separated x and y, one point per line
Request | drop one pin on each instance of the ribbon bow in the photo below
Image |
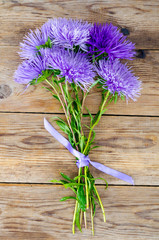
85	160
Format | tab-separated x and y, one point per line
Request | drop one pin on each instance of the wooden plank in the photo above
140	18
30	154
36	99
34	212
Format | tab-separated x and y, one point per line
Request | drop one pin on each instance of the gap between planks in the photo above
59	185
49	113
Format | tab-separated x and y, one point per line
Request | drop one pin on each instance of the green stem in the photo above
92	217
86	186
85	151
96	122
82	107
101	204
74	218
77	119
81	216
76	204
64	100
67	118
87	144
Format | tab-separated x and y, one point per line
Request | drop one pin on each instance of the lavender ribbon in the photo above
82	159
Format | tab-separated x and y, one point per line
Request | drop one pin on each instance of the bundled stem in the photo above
64	109
84	184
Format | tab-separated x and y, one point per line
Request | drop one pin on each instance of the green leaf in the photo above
82	143
68	185
57	71
78	218
45	74
56	97
59	181
76	178
93	136
36	81
68	106
81	198
76	48
122	97
66	198
95	147
95	83
91	180
63	126
48	89
104	111
94	206
95	200
115	98
102	180
86	126
55	181
55	117
67	177
62	79
111	99
96	117
48	44
91	117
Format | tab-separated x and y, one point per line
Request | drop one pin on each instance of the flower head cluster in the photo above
79	50
30	69
69	32
118	78
75	67
32	42
108	39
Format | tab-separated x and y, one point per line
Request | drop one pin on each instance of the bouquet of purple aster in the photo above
70	57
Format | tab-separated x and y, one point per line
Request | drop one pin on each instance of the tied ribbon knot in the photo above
85	160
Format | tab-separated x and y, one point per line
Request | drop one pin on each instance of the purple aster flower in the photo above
70	32
46	30
75	67
117	77
107	40
29	70
34	39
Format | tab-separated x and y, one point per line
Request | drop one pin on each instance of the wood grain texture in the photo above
34	212
139	17
36	99
30	154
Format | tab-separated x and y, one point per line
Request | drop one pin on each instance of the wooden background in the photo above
128	134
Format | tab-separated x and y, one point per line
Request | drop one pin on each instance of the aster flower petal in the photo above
29	70
46	30
70	32
75	67
33	40
108	39
117	77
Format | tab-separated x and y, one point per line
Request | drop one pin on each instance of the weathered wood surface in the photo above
36	99
30	154
139	17
34	212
